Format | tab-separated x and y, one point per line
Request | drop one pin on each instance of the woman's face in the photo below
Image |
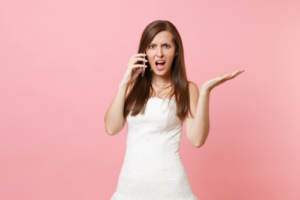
160	53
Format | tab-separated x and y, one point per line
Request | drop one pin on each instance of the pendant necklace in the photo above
161	88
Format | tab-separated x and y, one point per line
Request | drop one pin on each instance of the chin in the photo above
162	72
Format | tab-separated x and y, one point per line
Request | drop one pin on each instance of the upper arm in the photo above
194	95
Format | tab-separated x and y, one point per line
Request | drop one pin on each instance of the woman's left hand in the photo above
210	84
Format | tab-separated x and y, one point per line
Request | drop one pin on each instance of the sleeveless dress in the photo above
152	167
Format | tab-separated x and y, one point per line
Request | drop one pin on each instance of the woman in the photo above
155	98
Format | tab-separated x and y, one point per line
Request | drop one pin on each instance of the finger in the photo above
239	71
141	59
135	56
139	65
236	73
224	77
140	55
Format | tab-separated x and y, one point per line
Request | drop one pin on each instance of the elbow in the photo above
112	130
198	145
109	132
113	123
109	127
198	138
196	142
202	142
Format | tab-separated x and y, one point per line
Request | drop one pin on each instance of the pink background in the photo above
60	66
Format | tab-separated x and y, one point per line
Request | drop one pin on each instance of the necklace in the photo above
166	86
161	88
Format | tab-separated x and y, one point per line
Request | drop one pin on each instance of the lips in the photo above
160	62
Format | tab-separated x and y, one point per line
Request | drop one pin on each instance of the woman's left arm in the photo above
198	126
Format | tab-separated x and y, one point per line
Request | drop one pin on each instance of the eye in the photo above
151	46
166	45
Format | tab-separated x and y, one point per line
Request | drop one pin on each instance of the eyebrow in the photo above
162	43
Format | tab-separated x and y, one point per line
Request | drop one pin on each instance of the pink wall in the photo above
61	63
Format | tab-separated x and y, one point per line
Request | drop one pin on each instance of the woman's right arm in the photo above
113	119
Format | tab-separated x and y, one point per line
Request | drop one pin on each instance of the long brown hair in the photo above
140	92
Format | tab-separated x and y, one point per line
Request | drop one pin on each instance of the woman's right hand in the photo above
134	68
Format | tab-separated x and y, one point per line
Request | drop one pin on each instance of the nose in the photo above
159	52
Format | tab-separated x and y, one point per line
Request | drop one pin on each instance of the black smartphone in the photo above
144	64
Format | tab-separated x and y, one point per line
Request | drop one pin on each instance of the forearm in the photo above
201	120
114	119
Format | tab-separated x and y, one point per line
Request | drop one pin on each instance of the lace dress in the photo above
152	167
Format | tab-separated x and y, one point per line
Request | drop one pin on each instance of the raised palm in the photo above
210	84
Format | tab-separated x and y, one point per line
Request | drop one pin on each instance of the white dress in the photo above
152	167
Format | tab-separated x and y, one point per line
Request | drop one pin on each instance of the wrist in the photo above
123	84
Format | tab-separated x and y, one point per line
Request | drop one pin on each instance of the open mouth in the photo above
160	64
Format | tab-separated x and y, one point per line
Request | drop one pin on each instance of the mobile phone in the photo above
144	64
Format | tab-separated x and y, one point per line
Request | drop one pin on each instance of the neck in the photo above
160	80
